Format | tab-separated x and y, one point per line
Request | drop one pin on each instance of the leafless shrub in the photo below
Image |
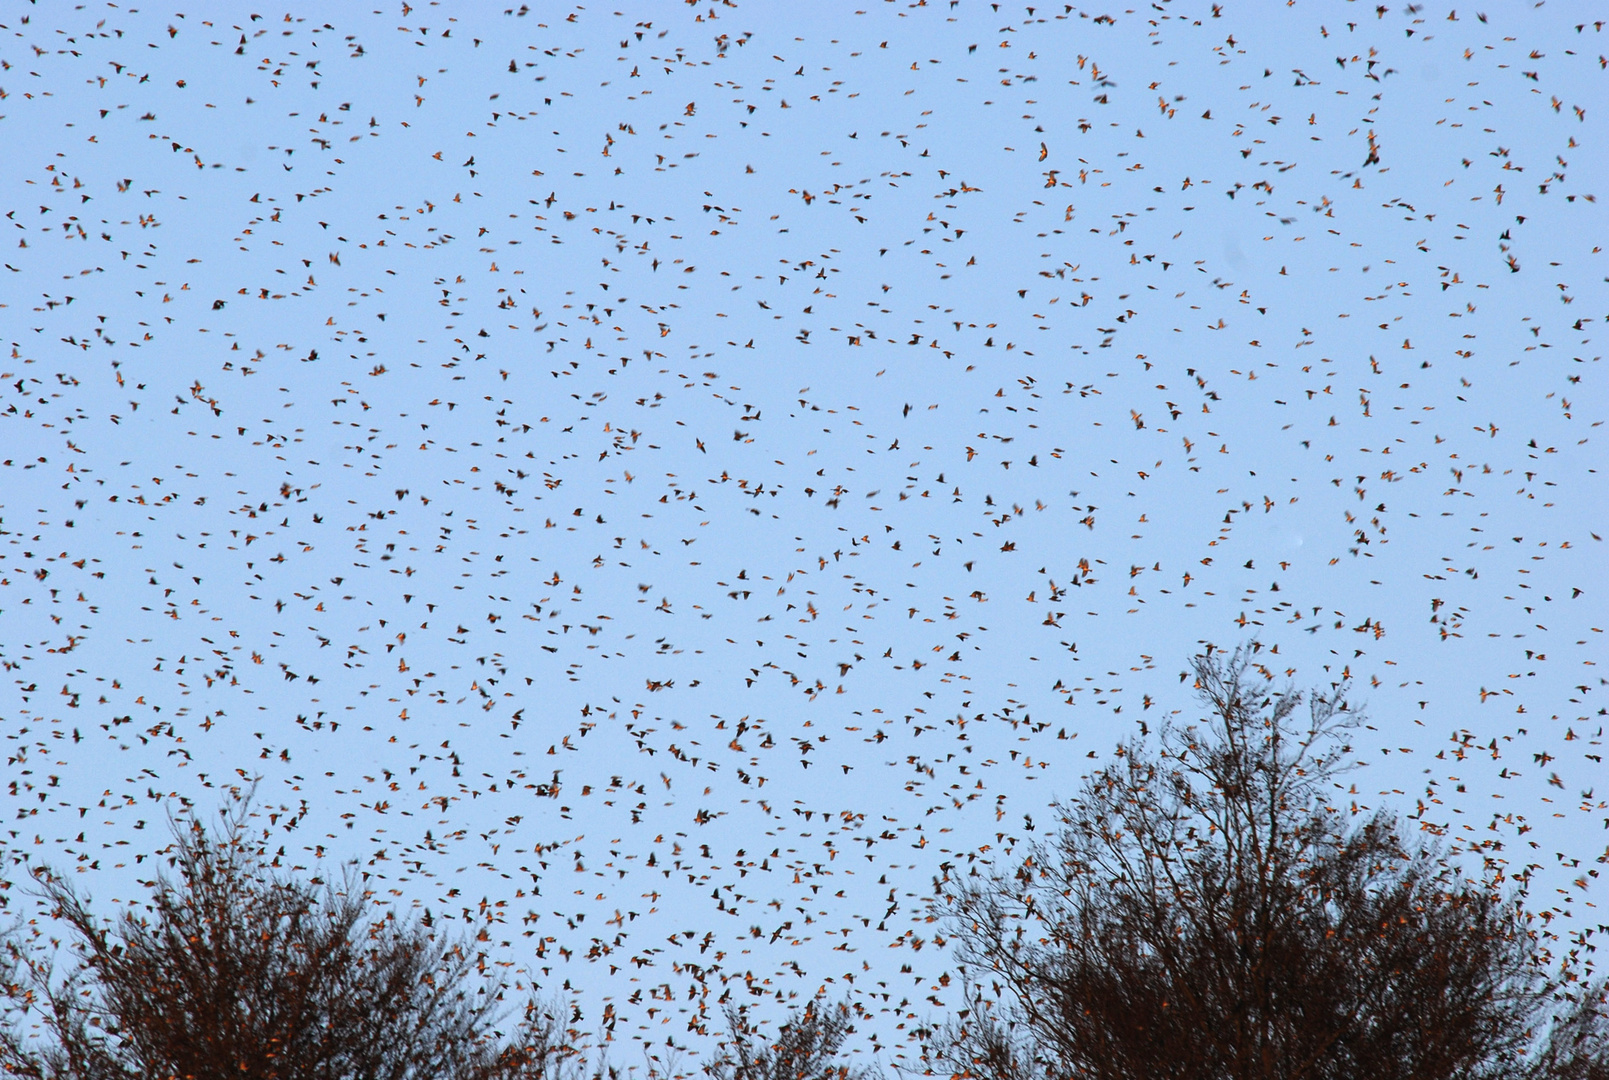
806	1047
1204	909
235	969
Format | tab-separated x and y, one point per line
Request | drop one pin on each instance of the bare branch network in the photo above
1207	908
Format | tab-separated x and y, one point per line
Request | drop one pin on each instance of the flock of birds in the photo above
660	489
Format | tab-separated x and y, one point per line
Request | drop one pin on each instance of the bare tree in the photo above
806	1047
1204	909
234	969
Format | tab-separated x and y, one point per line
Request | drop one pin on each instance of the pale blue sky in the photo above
714	407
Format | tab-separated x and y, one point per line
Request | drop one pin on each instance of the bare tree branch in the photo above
234	969
1204	909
